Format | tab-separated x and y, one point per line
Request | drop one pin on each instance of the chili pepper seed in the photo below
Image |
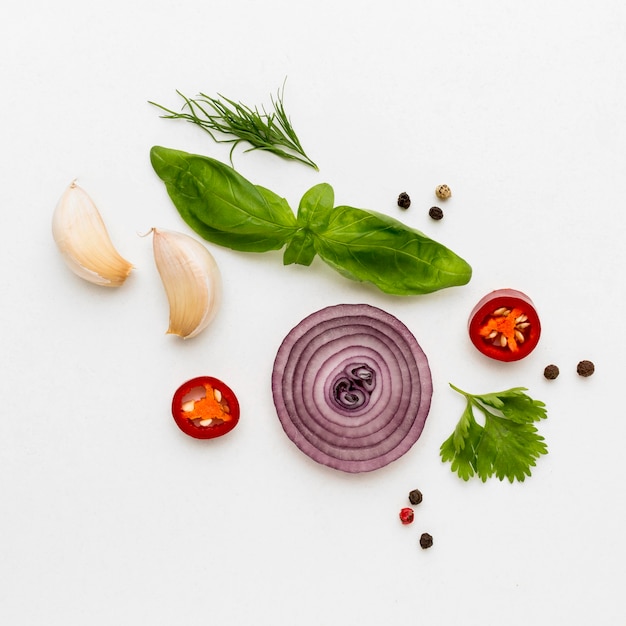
426	541
500	338
404	201
406	515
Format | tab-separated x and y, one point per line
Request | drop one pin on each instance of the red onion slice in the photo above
352	387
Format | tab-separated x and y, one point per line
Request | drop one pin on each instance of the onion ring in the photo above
352	387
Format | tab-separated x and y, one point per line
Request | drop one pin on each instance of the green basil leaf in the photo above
221	205
279	206
313	215
315	207
371	247
301	249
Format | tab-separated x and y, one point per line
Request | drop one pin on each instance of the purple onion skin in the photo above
352	387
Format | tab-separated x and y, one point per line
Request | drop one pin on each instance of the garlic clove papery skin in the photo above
82	237
191	279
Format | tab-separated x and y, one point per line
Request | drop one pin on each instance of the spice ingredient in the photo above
504	325
415	496
435	213
225	208
551	372
404	201
443	192
585	368
407	515
205	408
508	444
426	541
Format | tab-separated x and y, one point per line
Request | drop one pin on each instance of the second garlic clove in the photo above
191	279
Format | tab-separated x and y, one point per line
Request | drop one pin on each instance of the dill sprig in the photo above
238	122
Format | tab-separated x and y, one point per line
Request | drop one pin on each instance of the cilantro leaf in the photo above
507	445
515	404
460	447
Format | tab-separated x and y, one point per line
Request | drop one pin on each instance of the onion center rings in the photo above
317	353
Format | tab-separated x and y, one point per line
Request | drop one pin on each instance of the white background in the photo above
109	514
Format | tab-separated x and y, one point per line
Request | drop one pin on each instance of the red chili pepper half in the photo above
205	408
504	325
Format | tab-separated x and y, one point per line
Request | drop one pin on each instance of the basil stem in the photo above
226	209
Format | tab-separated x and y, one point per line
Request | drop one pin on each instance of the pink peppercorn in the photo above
406	515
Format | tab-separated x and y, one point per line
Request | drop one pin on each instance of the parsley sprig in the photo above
508	443
235	122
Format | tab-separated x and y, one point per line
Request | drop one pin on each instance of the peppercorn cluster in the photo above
407	515
584	368
442	192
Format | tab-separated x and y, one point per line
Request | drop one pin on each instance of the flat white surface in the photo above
110	515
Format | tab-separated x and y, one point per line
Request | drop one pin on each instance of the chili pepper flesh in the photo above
506	328
208	410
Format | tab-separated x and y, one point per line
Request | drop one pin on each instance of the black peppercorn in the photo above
426	541
415	497
435	212
585	368
404	202
551	372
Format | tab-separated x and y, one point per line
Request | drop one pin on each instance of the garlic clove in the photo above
191	279
84	242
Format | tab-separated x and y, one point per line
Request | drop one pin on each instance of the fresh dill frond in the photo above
228	121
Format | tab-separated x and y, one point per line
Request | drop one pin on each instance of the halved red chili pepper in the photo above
205	408
504	325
